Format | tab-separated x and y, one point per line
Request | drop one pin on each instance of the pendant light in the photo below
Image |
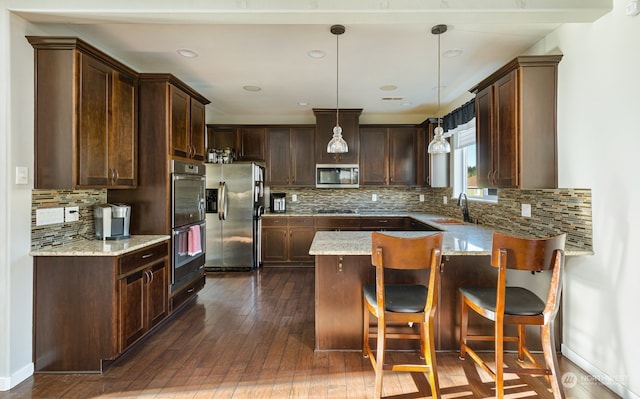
439	145
337	145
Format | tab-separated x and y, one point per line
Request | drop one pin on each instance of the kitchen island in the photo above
343	265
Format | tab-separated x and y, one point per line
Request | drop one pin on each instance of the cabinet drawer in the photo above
383	223
139	258
274	221
337	222
300	221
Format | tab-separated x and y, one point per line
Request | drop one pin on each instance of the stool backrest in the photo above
535	254
402	252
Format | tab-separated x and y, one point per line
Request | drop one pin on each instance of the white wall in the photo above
599	138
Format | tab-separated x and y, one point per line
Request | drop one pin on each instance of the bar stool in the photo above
517	305
403	303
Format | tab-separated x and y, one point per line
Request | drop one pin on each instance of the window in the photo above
464	164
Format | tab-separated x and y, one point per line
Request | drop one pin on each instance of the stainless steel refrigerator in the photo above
235	203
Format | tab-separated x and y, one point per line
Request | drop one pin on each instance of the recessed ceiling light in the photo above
454	52
187	53
388	87
252	88
316	53
303	103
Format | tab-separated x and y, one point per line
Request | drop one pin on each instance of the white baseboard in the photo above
610	382
6	383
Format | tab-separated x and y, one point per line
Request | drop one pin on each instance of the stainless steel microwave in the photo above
337	176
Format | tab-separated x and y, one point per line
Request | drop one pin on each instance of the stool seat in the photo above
398	297
518	301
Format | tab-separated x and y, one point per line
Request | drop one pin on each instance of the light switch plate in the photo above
374	197
294	197
421	197
444	199
22	175
526	210
71	214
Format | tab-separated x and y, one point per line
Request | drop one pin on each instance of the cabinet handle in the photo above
339	264
115	176
147	256
190	290
150	276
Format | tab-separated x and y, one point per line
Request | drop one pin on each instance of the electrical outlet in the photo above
71	214
421	197
294	197
444	199
526	210
46	216
374	197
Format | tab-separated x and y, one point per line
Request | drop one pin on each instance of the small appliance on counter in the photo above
112	221
278	203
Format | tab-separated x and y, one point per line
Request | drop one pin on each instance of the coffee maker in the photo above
278	203
112	221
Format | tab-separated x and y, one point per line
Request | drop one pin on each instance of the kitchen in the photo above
614	215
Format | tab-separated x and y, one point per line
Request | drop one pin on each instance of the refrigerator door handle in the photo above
222	201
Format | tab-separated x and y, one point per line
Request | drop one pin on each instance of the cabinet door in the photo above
157	293
132	320
274	244
374	160
278	157
402	156
218	137
252	144
484	106
303	168
94	109
197	130
505	138
325	122
300	239
123	132
179	122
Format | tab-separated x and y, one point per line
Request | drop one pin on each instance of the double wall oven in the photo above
187	221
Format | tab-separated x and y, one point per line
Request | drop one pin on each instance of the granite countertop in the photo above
101	247
459	238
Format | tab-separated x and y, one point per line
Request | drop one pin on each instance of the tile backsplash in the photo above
552	210
57	234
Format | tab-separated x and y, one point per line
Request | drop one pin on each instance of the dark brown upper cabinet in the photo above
349	122
248	142
516	137
388	155
290	156
86	130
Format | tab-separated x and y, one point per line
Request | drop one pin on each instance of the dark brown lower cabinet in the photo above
287	240
88	310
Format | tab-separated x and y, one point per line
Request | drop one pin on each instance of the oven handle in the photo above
222	201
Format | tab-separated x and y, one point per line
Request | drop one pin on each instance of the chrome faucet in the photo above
465	207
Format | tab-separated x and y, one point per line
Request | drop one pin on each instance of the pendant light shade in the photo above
439	145
337	145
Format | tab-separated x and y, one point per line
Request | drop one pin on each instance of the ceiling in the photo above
388	58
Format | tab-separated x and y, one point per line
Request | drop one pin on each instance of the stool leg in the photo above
551	360
464	319
522	336
380	359
430	356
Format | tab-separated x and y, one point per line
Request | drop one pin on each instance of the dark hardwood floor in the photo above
251	335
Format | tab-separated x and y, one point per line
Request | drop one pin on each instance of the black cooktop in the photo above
335	211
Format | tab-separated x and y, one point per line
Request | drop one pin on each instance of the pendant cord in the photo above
337	78
439	80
